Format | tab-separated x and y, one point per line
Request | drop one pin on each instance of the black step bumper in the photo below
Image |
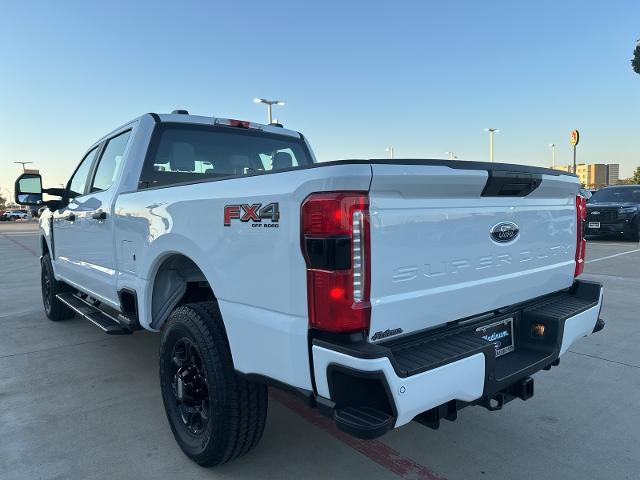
431	375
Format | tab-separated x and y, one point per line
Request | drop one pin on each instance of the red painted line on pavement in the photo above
375	450
28	249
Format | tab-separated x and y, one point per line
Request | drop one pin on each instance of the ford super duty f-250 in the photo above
380	291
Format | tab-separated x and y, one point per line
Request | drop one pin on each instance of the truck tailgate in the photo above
437	251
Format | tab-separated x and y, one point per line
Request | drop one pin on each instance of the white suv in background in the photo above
16	215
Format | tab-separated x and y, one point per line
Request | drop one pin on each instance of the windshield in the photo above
186	153
617	195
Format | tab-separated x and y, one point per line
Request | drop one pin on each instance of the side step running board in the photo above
102	320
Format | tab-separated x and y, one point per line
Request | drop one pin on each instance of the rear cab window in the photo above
182	153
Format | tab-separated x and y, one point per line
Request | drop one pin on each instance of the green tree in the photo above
635	61
3	202
636	176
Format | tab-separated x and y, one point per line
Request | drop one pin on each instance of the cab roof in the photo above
202	120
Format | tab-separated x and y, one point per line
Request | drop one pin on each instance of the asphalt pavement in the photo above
75	403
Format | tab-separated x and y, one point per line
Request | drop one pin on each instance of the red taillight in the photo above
336	247
581	243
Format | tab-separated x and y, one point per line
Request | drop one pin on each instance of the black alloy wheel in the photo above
190	387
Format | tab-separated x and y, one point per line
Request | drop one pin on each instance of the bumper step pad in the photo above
102	320
561	307
363	422
433	352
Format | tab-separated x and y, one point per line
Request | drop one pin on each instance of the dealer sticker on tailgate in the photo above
500	334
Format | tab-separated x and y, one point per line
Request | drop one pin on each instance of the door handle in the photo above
99	215
70	218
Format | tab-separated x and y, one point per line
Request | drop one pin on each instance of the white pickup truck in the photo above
381	291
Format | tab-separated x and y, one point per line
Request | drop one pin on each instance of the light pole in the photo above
390	150
269	104
491	132
553	155
451	155
23	164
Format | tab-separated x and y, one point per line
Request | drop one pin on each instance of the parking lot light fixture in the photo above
389	150
23	165
491	132
269	104
553	155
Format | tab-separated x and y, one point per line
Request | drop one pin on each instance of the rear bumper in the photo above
434	374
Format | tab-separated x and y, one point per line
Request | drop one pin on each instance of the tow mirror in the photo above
28	189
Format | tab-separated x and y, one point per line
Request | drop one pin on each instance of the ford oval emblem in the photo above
505	232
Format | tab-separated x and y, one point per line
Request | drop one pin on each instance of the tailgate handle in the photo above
502	183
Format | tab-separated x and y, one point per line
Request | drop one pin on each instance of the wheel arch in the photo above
175	278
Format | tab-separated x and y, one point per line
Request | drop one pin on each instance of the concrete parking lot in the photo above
75	403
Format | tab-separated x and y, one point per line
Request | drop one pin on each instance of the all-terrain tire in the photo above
230	412
54	308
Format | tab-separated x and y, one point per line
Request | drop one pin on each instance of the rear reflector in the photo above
581	243
335	245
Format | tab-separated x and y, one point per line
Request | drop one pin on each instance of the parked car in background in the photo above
614	210
15	215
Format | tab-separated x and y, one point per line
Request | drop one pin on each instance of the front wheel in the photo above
634	235
54	308
215	415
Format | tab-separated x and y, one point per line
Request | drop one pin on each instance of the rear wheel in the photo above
215	415
54	308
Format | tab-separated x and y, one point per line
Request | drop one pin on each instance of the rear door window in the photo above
110	162
79	180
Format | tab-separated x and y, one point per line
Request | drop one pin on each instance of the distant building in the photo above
613	173
594	175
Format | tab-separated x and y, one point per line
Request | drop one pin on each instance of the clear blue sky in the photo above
425	77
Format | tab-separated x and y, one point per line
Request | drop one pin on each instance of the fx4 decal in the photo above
254	213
